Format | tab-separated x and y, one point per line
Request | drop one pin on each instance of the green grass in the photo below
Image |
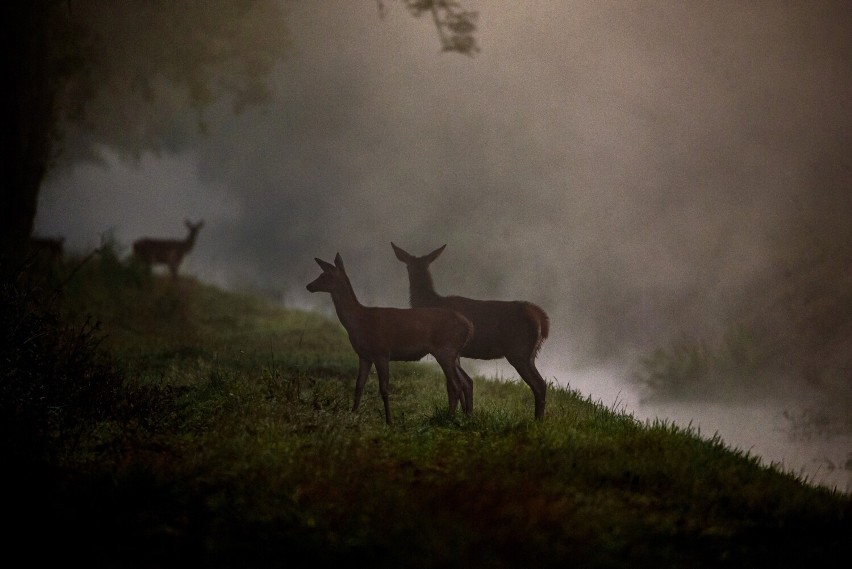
228	441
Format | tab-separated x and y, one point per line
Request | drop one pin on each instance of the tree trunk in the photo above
28	118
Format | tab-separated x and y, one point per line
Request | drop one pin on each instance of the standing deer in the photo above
514	330
380	335
51	248
167	251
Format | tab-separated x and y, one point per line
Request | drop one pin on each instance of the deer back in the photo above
51	247
395	333
170	251
410	333
500	327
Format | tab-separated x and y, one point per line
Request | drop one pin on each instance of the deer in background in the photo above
380	335
168	252
514	330
51	247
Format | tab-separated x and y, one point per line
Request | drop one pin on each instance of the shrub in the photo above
60	394
687	369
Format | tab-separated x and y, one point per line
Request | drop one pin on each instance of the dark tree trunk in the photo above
28	118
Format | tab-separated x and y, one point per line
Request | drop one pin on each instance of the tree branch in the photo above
455	26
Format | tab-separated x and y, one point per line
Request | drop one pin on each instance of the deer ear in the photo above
324	265
436	253
402	255
338	262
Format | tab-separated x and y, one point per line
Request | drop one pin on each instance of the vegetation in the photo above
152	423
792	327
701	370
140	76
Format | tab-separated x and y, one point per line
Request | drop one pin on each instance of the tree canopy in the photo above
128	72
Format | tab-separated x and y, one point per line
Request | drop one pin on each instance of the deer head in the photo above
193	227
332	275
411	260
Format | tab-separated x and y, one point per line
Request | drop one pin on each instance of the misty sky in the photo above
629	166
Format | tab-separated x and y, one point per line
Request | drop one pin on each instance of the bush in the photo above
689	369
61	396
55	383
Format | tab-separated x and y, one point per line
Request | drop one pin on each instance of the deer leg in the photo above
528	372
364	366
454	389
383	373
466	389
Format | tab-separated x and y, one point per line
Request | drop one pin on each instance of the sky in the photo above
635	168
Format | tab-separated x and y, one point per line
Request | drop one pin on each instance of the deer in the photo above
168	252
51	247
379	335
514	330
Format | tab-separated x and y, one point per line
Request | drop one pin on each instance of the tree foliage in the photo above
126	73
455	25
143	63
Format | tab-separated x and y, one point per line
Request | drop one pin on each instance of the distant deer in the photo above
514	330
380	335
51	247
168	252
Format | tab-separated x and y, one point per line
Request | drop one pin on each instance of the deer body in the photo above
380	335
169	252
514	330
51	247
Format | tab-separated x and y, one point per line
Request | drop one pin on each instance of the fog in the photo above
640	170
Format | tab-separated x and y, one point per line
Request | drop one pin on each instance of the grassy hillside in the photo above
161	423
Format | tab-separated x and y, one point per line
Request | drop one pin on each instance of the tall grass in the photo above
223	437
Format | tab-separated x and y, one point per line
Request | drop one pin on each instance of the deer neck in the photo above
421	289
346	304
190	241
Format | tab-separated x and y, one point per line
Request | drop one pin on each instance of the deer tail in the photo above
540	323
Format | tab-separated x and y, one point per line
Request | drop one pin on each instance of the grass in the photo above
223	437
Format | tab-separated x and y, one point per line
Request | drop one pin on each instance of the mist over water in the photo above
646	172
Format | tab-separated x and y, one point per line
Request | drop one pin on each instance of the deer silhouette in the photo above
514	330
382	334
51	248
168	252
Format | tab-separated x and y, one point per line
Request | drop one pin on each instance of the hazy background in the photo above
644	171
